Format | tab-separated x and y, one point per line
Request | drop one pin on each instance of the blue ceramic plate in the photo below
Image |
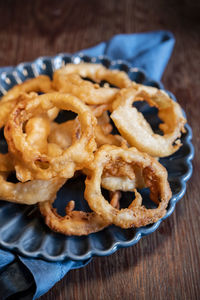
22	229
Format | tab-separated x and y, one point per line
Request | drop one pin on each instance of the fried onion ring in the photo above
63	134
30	192
75	222
6	108
34	191
137	131
41	83
69	80
6	163
155	177
30	163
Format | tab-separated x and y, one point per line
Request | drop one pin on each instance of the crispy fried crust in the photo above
75	222
155	177
137	131
69	80
31	164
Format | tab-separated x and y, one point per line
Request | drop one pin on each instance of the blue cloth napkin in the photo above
25	278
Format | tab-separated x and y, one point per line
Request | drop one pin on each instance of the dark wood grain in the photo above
166	264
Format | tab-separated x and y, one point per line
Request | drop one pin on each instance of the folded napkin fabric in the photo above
149	51
26	278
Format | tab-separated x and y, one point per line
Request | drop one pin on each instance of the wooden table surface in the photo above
166	264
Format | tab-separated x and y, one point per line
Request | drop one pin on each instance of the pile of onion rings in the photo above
108	141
